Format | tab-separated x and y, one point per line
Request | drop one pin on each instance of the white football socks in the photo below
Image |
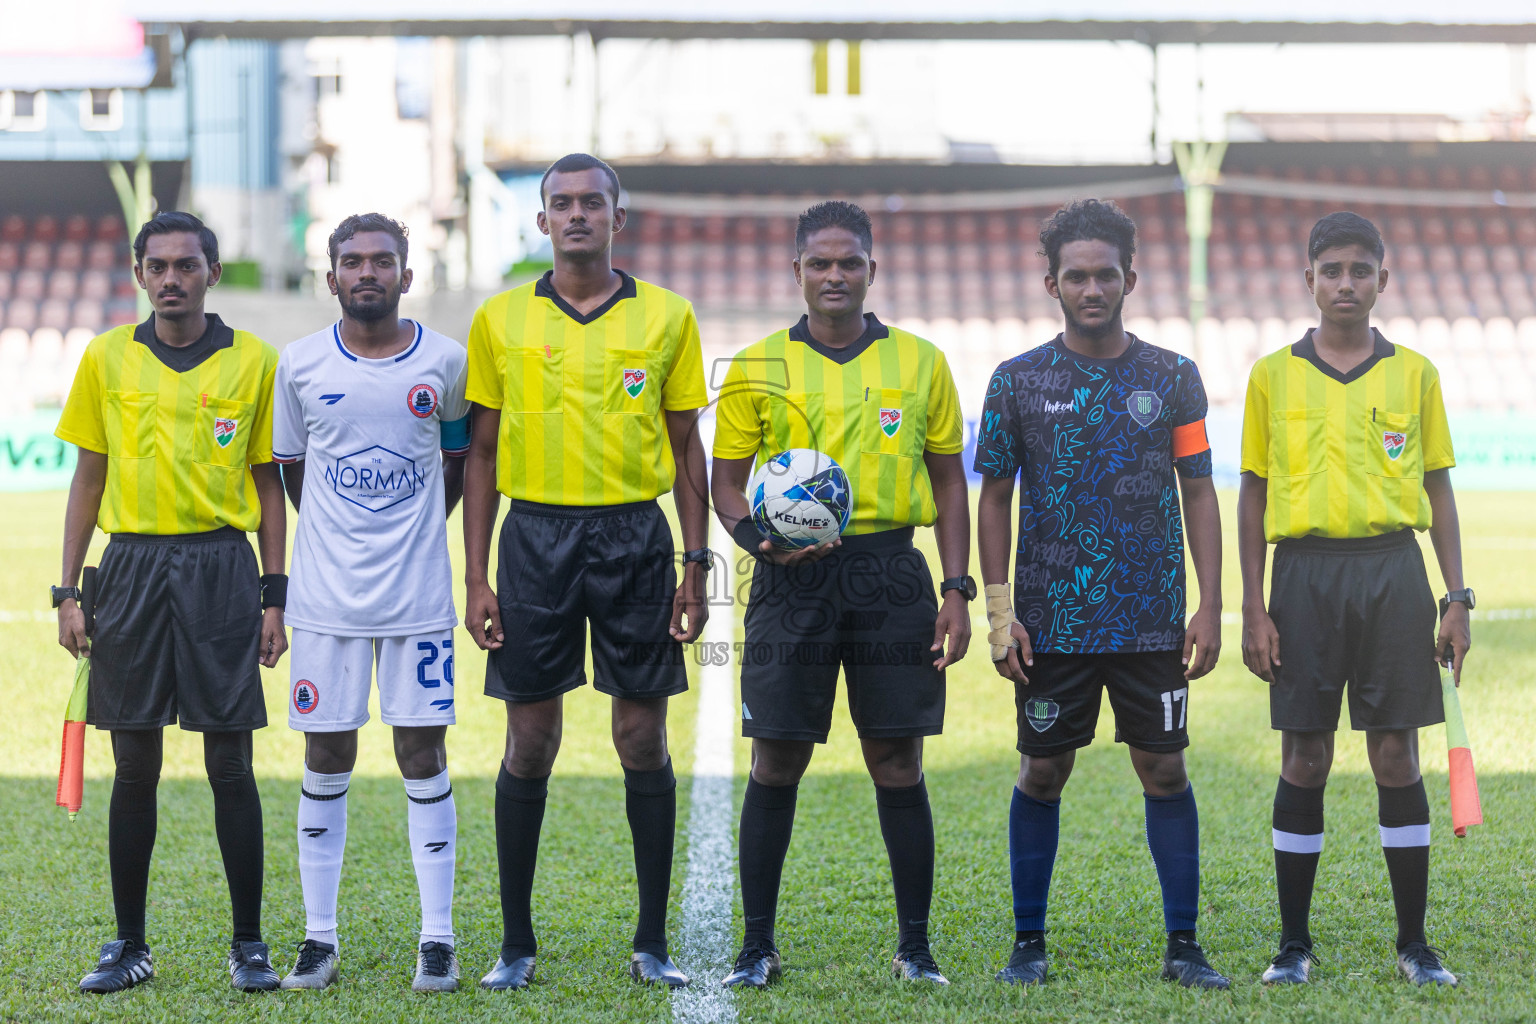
322	843
433	826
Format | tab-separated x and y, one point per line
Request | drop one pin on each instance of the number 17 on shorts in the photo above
1175	707
331	677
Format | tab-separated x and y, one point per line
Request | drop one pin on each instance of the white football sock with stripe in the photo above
433	825
322	844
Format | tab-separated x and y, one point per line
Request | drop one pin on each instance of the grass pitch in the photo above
836	920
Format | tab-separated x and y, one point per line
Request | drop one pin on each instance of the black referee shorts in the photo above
178	633
1354	611
561	567
869	608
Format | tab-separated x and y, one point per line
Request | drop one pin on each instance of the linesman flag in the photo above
72	761
72	756
1466	808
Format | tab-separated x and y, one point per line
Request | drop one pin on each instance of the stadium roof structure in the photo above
1175	21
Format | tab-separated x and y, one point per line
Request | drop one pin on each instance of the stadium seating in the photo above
1465	279
1462	285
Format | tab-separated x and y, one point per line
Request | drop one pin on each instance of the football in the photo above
800	497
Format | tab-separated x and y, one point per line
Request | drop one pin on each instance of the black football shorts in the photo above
563	567
1059	709
868	608
178	633
1355	612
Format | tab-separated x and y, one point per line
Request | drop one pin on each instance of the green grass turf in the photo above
836	919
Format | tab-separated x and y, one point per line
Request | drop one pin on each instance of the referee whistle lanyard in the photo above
1466	808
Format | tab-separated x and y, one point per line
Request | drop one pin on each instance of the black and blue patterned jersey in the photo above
1100	565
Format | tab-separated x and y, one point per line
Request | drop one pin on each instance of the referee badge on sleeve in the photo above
634	382
224	431
1393	441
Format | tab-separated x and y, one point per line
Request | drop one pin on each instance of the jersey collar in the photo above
216	335
402	357
1306	349
545	288
874	331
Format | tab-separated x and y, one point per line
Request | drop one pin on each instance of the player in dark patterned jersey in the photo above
1109	435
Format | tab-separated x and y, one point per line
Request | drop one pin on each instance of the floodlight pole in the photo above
1200	167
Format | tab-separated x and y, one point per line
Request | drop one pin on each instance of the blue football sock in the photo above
1173	836
1033	828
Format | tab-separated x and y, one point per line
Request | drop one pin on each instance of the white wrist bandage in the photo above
1000	620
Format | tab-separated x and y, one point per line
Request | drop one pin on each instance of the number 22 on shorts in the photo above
430	655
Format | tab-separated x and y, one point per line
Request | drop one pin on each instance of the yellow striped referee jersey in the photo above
582	395
180	426
1344	454
875	406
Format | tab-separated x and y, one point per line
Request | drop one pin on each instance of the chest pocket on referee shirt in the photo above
890	422
535	379
221	431
1298	442
631	382
1392	445
130	423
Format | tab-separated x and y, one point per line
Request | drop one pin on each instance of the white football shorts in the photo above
331	677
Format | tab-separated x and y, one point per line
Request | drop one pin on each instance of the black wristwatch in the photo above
964	584
701	555
1465	596
62	594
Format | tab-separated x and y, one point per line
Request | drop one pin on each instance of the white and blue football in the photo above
800	497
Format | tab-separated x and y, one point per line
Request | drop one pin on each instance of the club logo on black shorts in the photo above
1041	713
305	696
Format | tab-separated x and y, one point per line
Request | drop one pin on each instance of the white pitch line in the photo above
706	950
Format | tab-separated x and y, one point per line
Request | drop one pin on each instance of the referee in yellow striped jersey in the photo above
585	386
1346	454
882	403
173	420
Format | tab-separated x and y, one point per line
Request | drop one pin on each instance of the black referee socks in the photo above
906	825
1405	844
132	818
1298	840
131	824
650	802
237	820
519	817
767	821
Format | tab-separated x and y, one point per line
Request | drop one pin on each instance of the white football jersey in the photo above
371	554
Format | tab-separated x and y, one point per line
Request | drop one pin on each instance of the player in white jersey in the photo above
367	405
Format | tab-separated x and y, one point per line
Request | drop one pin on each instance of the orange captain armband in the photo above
1190	439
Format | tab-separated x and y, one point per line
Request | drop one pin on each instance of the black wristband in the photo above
274	591
745	534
